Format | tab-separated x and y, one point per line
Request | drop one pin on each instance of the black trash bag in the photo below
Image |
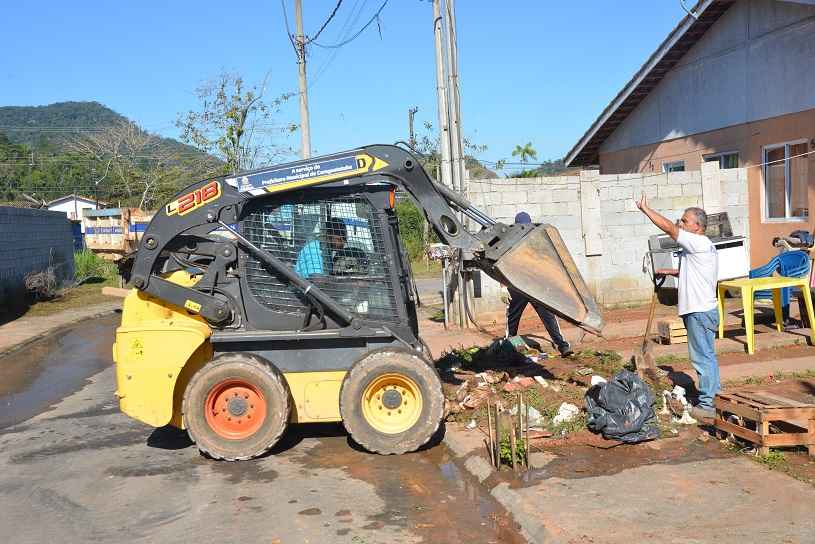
622	409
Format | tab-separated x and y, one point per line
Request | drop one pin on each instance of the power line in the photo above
359	32
325	24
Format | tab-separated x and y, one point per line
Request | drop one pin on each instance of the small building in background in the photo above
72	205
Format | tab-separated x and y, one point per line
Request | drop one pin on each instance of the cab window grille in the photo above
337	244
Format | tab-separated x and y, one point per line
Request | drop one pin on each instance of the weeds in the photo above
505	450
89	265
577	423
773	460
670	359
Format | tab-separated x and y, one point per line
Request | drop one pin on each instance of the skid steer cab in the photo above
283	295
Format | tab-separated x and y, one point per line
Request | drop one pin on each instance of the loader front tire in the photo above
391	402
236	407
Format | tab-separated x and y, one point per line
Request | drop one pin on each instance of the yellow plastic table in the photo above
748	286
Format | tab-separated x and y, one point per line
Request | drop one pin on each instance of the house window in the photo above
675	166
725	160
785	181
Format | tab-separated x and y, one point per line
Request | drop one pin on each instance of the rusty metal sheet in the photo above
540	266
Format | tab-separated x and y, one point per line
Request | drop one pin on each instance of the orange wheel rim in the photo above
235	409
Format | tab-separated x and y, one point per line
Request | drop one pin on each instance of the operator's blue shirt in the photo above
310	260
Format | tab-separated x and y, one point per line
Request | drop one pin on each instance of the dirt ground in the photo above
571	450
86	294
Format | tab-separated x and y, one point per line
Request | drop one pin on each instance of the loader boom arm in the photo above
547	272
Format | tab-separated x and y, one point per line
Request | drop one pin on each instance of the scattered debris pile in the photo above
483	386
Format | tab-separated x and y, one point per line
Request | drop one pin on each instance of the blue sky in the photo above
538	71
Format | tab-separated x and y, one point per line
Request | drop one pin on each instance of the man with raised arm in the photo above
698	274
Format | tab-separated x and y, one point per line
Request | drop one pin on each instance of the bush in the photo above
411	228
89	265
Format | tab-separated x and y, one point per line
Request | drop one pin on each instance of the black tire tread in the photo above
239	360
407	442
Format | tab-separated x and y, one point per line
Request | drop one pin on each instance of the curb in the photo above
57	328
477	467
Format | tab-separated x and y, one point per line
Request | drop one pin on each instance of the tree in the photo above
525	152
233	122
135	166
428	145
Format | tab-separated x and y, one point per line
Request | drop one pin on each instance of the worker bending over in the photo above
698	274
518	302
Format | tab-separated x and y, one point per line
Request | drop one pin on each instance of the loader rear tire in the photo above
236	407
391	402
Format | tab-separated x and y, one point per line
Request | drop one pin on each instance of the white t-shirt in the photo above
698	273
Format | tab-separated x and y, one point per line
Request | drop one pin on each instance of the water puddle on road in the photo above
450	508
43	373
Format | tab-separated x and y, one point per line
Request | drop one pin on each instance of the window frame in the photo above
666	166
720	156
787	182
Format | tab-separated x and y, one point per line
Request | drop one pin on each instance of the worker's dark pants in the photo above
517	304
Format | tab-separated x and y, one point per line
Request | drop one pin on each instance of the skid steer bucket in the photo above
535	261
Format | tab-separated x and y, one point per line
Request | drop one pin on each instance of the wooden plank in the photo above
115	292
749	400
738	409
741	432
788	414
786	439
784	401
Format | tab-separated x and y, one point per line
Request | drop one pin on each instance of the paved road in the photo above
74	469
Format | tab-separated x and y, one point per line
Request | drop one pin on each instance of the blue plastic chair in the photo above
791	264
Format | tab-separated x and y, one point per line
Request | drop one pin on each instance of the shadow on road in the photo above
172	438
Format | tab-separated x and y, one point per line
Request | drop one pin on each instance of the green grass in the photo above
774	460
670	360
89	265
425	269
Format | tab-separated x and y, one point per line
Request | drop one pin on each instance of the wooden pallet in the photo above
793	421
672	331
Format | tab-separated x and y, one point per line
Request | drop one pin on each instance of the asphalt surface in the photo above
74	469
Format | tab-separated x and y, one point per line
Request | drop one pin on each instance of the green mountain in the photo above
50	128
38	160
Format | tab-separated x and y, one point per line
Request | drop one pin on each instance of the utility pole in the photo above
300	44
456	143
441	96
411	135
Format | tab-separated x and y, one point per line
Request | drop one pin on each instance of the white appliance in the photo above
733	259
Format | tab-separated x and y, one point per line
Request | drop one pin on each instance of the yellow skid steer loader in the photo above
283	295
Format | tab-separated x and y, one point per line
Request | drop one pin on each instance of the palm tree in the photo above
525	152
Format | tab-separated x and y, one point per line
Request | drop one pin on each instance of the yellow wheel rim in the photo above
392	403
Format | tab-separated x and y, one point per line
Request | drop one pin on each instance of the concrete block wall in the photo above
599	222
30	241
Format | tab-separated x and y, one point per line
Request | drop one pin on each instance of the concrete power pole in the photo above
411	135
456	134
441	96
300	41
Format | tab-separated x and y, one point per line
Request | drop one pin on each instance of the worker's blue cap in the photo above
522	218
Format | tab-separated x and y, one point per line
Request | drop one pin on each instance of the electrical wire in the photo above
643	175
325	24
288	29
359	32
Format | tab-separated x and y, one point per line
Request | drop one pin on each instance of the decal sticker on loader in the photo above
305	174
187	203
192	306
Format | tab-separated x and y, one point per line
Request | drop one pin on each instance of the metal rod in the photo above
526	434
491	448
445	288
498	437
521	420
512	444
